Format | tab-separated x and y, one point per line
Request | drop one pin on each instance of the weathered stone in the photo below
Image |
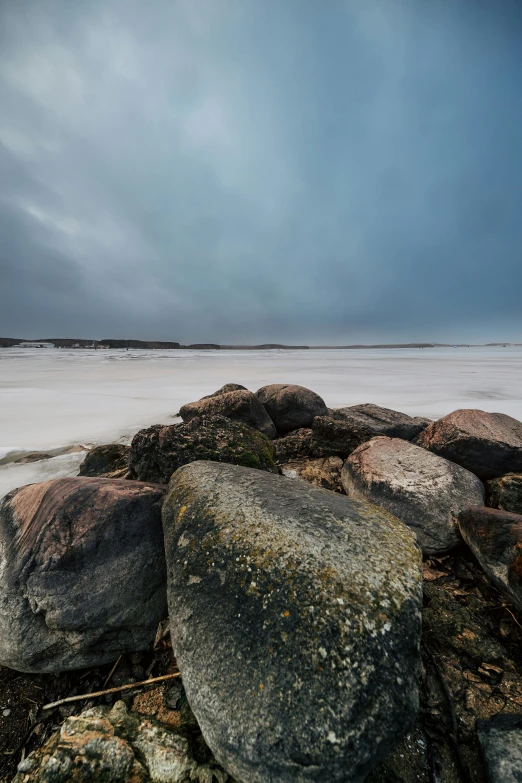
160	450
291	407
242	406
324	473
107	460
297	623
117	746
297	445
506	493
501	742
336	438
495	538
82	572
374	420
33	456
424	491
228	387
488	444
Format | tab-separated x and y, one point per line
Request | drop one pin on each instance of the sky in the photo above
234	171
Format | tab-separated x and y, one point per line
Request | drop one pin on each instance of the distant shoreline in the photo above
62	342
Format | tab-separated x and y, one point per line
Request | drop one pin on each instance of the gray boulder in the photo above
158	451
82	572
424	491
501	743
495	538
488	444
242	406
291	407
297	623
375	420
110	460
506	492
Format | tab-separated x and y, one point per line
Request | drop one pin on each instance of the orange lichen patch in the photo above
152	703
181	512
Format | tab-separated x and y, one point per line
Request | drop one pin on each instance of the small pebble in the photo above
6	712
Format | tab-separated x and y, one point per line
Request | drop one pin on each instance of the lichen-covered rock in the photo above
228	387
297	623
324	473
291	407
158	451
110	460
117	746
487	444
242	406
82	572
424	491
506	493
372	420
501	742
297	445
335	437
495	538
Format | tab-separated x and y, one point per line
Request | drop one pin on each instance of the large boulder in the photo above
488	444
291	407
228	387
506	492
373	420
297	623
501	743
110	460
424	491
113	745
495	538
239	405
82	572
296	445
158	451
336	438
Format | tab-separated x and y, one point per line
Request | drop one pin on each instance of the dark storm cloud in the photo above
229	171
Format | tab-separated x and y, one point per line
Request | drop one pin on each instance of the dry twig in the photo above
129	687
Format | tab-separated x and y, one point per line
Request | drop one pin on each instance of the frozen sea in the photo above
55	399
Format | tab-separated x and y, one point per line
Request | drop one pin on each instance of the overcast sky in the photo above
254	170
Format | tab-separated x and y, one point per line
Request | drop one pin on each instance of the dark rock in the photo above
291	407
488	444
375	420
242	406
336	438
501	742
82	572
424	491
33	456
106	461
104	744
293	606
495	538
160	450
325	472
297	445
228	387
506	493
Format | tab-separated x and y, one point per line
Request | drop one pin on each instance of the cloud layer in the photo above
238	170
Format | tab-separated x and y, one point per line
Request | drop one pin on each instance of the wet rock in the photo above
297	445
293	607
242	406
324	473
158	451
506	493
228	387
374	420
82	572
487	444
106	460
424	491
104	744
501	742
495	538
33	456
291	407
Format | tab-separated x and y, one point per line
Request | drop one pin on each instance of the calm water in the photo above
54	399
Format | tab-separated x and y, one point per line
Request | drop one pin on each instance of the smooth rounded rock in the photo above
228	387
158	451
82	572
487	444
424	491
242	406
297	623
291	407
505	493
380	421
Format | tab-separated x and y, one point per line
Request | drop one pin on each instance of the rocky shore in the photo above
317	594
